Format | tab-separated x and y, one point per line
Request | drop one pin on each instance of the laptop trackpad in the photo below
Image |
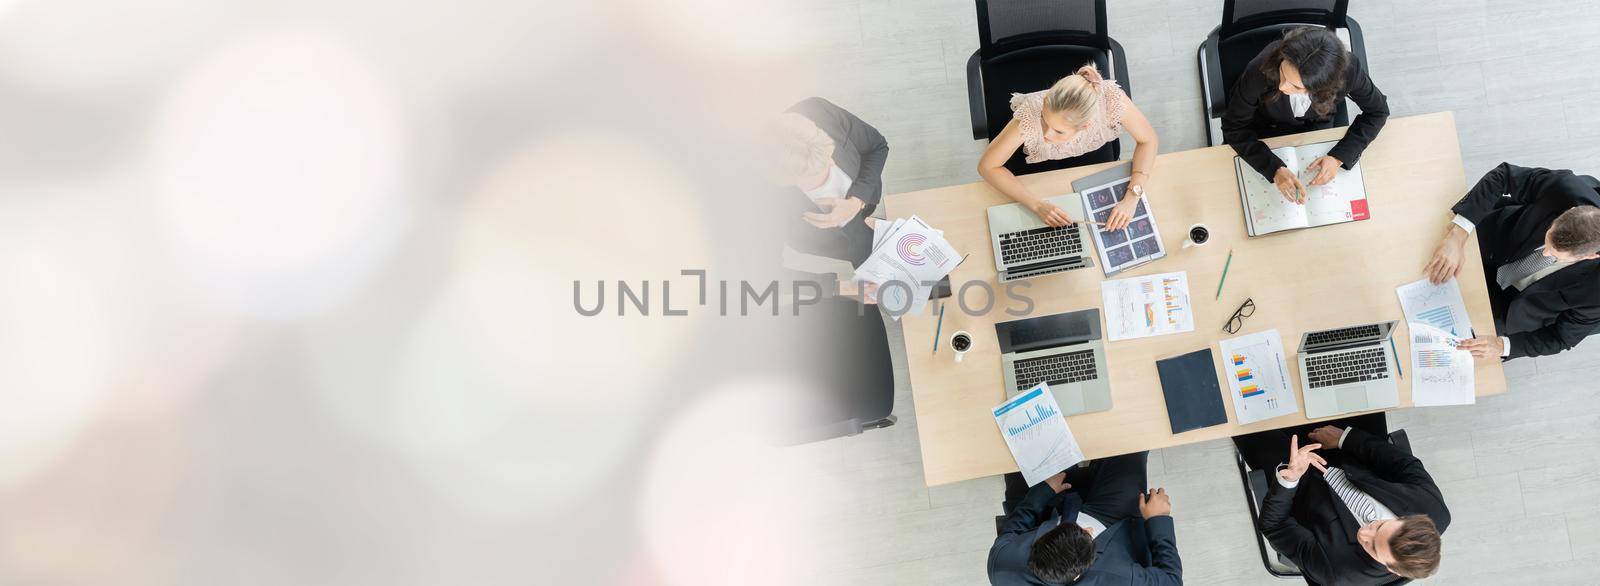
1070	397
1352	399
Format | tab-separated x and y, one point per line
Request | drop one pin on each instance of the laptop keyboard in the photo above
1325	370
1047	242
1341	335
1060	369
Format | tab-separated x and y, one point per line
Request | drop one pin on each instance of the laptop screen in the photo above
1048	331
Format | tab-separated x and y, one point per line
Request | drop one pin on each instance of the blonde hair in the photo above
1075	96
800	149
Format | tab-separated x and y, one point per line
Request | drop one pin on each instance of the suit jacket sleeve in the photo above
1524	185
1374	113
1030	513
1569	328
1287	535
1385	459
1165	567
1238	122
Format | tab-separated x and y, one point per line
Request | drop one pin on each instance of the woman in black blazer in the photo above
1296	85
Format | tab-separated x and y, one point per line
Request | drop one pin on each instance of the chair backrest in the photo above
1244	15
1005	25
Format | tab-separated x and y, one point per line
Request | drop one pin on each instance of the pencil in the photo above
1224	273
937	329
1396	352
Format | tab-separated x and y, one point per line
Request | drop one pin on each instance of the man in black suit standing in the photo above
1370	513
1110	531
1539	235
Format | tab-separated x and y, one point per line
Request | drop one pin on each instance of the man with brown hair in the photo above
1370	513
1539	235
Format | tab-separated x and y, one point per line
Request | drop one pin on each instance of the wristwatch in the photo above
1138	190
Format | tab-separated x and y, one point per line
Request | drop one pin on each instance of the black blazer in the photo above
1132	551
1248	118
860	151
1512	207
1310	526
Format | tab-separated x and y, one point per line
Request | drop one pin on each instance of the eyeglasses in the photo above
1237	321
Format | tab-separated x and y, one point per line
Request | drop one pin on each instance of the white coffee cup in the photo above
1192	239
961	342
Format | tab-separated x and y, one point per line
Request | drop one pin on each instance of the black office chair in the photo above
1027	45
1248	26
848	361
1255	491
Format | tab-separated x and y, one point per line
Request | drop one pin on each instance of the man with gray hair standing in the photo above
1539	235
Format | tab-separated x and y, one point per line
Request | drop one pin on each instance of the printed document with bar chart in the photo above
1141	307
1439	306
1037	434
1258	377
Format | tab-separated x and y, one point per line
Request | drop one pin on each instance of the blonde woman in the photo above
832	164
1077	115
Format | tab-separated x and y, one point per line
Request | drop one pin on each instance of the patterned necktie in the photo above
1509	274
1361	505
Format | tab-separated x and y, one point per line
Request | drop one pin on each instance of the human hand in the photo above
1155	503
1122	214
1326	435
1325	167
1483	346
1291	187
1058	482
866	291
1051	214
1446	261
1300	459
835	212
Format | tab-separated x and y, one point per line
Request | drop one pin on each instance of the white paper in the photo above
1037	434
1440	374
1439	306
1151	305
914	257
1258	377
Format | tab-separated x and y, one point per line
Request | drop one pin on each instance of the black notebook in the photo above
1194	400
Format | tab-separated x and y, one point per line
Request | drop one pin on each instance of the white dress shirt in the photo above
1300	103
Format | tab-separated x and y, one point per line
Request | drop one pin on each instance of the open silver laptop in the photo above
1024	246
1348	369
1064	350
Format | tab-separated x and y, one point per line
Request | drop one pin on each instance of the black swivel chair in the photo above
1248	26
1027	45
1255	491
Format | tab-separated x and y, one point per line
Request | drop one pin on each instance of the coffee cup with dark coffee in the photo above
961	342
1198	235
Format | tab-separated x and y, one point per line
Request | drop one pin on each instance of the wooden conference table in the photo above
1303	280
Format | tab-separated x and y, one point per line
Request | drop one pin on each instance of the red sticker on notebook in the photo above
1358	209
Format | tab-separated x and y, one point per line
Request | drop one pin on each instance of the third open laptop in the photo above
1350	369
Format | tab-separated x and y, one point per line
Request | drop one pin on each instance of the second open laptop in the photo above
1064	350
1024	246
1350	369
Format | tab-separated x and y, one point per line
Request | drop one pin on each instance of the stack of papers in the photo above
913	256
1037	434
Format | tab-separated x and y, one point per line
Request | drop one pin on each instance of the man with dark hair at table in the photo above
1539	236
1368	514
1109	530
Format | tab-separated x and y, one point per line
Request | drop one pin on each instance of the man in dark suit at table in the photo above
1539	235
1110	530
1370	515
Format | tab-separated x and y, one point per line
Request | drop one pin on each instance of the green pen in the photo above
1224	273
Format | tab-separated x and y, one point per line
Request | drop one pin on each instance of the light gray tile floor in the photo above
1519	470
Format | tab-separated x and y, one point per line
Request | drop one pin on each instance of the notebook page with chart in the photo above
1037	434
1258	377
1343	199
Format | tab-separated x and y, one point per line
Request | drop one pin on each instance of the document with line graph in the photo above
1440	374
1037	434
1439	306
1151	305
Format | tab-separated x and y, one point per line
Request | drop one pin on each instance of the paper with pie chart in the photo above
908	258
1258	377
